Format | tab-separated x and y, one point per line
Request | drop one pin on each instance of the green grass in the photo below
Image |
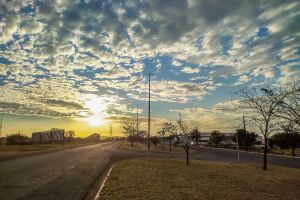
162	179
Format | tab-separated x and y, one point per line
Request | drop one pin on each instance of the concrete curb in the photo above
97	197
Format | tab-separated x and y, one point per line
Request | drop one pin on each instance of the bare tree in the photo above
289	107
184	138
263	103
162	134
170	130
128	129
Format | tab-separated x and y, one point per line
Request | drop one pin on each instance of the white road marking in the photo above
97	197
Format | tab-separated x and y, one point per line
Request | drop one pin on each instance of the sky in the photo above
81	64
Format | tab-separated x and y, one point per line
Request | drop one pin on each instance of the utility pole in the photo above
1	127
149	75
180	119
244	123
110	130
137	119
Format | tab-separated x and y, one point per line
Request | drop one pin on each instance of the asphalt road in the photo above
71	173
65	174
213	154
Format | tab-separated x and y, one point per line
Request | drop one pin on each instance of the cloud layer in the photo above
55	55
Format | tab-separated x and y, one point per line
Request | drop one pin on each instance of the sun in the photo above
95	120
96	107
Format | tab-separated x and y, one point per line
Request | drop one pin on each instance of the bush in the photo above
18	139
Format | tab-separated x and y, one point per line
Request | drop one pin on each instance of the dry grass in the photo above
11	151
159	148
162	179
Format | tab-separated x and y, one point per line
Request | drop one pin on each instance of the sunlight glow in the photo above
97	110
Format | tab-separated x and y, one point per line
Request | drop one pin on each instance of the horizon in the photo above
81	65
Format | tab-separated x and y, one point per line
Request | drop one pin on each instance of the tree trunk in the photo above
163	145
170	146
187	156
265	154
293	151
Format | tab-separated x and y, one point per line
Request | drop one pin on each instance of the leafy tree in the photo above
70	135
18	139
291	136
245	138
279	139
217	137
196	135
154	140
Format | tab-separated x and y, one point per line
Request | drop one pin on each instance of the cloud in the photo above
55	52
190	70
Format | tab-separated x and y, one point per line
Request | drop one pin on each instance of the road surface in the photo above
214	154
65	174
70	173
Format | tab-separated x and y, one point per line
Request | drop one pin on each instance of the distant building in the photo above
3	140
54	135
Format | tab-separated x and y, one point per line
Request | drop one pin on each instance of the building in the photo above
3	140
53	135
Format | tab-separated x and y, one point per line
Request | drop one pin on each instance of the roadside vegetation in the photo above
22	145
163	179
274	114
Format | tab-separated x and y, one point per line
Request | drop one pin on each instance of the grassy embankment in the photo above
159	148
11	151
162	179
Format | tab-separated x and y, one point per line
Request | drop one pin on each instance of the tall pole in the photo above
244	123
1	126
110	130
137	119
149	75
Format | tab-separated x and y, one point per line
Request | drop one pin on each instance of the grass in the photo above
162	179
159	148
11	151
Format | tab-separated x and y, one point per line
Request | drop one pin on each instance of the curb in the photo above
97	197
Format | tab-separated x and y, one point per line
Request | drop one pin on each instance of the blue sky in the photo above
84	62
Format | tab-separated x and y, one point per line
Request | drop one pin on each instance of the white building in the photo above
55	135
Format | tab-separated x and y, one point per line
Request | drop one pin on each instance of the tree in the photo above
217	137
128	129
69	135
245	138
154	140
18	139
262	103
170	130
289	107
196	135
279	139
162	134
184	138
291	136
